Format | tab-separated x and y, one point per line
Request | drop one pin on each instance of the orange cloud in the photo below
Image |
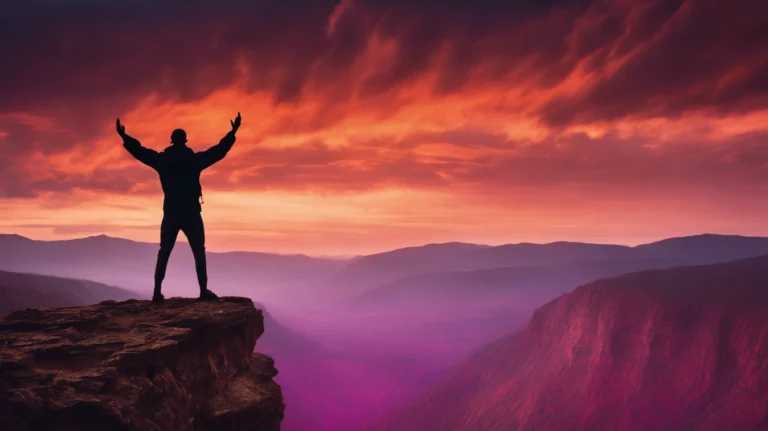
388	123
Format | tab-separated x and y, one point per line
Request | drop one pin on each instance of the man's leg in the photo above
195	231
169	230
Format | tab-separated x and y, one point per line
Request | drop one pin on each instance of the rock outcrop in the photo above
134	365
664	350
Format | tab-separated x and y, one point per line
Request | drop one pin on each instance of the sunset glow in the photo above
374	125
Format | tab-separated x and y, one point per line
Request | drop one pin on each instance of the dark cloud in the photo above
80	63
184	50
700	55
180	50
111	55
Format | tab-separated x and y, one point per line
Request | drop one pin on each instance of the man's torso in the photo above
179	171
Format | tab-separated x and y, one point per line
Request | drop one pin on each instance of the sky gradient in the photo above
376	124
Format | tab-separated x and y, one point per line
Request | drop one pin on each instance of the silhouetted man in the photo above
179	168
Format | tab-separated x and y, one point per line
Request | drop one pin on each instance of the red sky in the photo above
375	124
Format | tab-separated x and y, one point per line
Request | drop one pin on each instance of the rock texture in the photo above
665	350
134	365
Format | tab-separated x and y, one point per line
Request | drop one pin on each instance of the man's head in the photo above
179	137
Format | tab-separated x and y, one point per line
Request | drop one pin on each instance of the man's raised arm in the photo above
144	155
218	151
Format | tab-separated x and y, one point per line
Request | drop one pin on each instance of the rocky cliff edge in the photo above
135	365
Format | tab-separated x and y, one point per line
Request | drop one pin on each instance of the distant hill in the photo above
707	248
131	264
38	291
379	269
517	283
668	349
391	265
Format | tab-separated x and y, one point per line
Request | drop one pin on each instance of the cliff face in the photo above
664	350
134	365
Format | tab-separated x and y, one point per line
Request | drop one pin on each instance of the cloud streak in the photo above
590	100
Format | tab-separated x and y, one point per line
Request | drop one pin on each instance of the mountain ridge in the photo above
435	245
376	270
664	349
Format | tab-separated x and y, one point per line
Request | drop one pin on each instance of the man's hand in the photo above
235	124
120	129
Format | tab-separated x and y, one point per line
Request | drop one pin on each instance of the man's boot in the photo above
207	295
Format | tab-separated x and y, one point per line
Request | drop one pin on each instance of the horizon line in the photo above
354	256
